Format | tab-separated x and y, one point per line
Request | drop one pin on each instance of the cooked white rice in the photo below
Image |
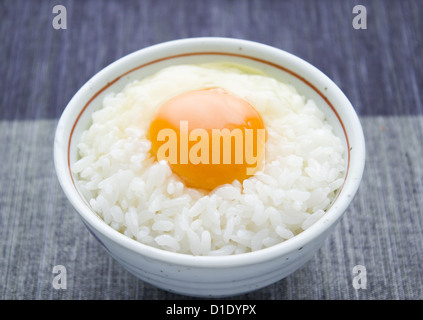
144	200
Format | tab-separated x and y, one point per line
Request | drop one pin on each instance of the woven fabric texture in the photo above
378	68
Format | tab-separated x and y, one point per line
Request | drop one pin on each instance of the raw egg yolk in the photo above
209	137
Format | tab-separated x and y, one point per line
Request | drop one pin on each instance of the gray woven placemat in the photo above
381	230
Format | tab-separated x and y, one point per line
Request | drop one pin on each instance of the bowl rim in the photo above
62	150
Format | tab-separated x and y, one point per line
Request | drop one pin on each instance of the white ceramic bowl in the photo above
213	276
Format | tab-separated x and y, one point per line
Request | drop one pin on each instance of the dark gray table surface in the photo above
378	68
